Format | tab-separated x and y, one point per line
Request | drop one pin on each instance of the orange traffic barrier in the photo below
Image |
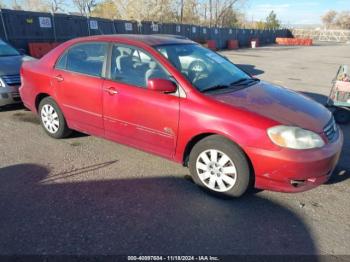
211	44
294	41
38	50
232	44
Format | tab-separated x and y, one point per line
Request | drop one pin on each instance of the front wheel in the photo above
219	166
52	119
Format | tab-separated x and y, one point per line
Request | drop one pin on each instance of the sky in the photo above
293	12
289	12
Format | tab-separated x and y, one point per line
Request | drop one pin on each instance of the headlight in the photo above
294	137
2	84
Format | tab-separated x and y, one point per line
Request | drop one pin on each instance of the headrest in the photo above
152	65
78	54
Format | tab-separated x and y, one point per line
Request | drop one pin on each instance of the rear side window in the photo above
85	58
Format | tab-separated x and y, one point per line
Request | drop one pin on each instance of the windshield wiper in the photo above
242	80
217	87
239	82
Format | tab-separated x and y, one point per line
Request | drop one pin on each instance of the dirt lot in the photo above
85	195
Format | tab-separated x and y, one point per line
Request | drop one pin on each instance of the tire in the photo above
52	119
341	116
231	177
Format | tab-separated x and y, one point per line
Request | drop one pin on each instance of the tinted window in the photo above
84	58
134	67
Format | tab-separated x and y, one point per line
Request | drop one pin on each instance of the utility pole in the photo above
211	12
216	12
181	11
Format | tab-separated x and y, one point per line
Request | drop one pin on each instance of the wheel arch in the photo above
38	99
197	138
191	143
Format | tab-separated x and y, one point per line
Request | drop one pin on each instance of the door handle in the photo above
59	78
112	91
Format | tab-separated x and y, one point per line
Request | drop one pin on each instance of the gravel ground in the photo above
85	195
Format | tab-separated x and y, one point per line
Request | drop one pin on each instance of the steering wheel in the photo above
196	69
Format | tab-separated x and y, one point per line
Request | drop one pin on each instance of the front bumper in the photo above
9	95
290	170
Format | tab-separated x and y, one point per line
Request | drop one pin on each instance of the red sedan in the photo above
179	100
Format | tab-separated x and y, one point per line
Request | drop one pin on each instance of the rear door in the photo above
133	114
78	78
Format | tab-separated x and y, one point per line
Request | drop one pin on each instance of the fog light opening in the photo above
297	183
5	96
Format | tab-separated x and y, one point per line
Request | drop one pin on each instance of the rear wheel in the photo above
219	166
52	119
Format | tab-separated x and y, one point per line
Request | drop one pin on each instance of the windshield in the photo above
7	50
205	69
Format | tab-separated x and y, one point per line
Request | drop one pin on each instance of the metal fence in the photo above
323	35
23	27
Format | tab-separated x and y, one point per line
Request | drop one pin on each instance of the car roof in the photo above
151	40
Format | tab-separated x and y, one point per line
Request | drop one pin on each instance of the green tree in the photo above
272	21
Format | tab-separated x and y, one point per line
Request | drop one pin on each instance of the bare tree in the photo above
222	8
2	5
189	10
84	6
36	5
332	19
56	5
202	12
328	18
16	5
343	20
106	9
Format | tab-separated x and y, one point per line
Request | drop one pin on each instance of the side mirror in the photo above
161	85
21	51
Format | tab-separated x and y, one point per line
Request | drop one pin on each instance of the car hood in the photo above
280	104
10	65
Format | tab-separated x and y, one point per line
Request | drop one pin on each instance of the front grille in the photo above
331	130
12	80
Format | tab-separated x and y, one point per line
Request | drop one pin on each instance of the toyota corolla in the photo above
176	99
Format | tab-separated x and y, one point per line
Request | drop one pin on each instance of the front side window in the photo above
205	69
134	66
87	58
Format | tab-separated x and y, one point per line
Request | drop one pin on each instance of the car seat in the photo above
155	72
